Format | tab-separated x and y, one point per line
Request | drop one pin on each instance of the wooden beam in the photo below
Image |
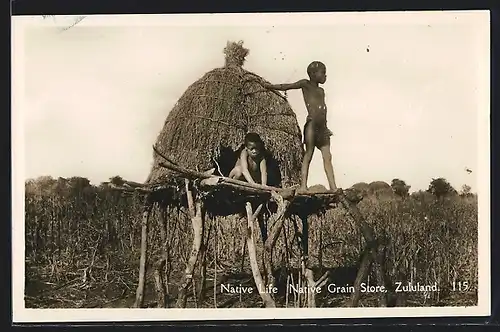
216	182
208	180
218	179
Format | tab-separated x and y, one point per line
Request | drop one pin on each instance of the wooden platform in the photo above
204	194
223	196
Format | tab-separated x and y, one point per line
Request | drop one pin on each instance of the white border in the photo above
23	315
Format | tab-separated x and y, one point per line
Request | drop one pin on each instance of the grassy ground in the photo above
117	290
82	249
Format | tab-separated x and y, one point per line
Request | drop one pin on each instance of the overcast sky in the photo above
403	93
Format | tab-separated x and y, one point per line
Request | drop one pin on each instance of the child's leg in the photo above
327	164
309	142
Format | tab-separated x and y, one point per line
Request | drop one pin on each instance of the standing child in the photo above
251	164
316	133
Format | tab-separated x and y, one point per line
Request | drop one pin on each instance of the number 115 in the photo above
460	286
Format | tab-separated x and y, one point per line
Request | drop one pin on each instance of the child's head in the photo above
317	72
254	144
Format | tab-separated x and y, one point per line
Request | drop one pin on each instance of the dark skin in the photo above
251	165
314	98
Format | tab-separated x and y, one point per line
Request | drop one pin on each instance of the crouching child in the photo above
251	165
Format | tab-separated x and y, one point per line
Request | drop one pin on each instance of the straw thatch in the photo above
208	124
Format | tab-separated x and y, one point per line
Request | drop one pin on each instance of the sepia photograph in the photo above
250	166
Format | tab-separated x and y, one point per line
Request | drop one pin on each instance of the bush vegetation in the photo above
82	241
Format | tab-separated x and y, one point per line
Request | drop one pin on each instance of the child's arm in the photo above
244	166
263	172
287	86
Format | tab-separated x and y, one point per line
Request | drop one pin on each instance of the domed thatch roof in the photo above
209	122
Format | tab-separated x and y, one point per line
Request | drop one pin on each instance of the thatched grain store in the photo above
206	127
205	130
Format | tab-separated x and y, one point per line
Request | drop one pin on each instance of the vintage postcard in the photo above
250	166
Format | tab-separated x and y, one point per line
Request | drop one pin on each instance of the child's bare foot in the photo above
209	172
301	190
336	190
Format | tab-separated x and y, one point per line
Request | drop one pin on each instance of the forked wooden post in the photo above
139	295
372	256
275	223
252	253
196	214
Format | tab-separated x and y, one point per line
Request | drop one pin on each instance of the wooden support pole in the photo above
168	262
320	245
364	269
372	245
276	224
243	250
215	253
139	295
306	269
266	258
299	238
203	267
195	211
159	268
323	279
252	253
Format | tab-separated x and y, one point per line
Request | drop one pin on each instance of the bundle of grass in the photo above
207	125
